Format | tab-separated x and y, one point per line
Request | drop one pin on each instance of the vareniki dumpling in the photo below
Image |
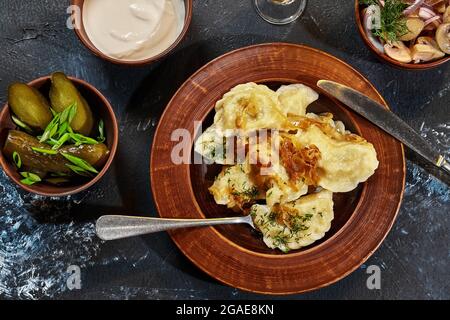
284	176
295	224
295	98
243	184
249	107
346	159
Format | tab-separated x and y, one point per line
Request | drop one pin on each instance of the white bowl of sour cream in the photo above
133	32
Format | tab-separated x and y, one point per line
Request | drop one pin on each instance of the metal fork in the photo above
114	227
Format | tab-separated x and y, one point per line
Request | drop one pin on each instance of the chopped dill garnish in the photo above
296	223
393	21
249	193
280	239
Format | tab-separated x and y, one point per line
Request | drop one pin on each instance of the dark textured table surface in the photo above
41	237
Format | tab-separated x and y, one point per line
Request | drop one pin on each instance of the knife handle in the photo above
444	164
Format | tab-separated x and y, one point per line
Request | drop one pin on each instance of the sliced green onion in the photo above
79	162
51	142
80	139
50	130
53	131
60	123
62	129
101	131
64	115
68	113
61	141
21	124
44	151
30	178
72	112
17	160
78	170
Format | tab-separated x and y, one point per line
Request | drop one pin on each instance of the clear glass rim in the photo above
287	20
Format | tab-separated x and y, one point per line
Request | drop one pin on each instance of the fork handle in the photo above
115	227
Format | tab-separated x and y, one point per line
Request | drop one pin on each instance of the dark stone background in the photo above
40	238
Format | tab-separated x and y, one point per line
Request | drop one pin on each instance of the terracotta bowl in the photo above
385	58
236	255
101	109
82	35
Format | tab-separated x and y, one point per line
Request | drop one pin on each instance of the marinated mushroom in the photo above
415	27
438	5
446	16
398	51
427	40
396	25
443	37
425	50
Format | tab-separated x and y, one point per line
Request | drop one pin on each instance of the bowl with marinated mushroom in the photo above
409	34
58	135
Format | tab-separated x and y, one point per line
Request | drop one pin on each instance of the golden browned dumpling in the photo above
345	159
295	224
295	98
249	107
303	153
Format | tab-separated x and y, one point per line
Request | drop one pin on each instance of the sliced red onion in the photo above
426	5
417	3
432	23
426	13
367	23
431	20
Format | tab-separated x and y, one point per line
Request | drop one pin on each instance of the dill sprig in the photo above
368	2
393	21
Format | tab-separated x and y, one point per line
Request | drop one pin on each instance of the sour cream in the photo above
133	30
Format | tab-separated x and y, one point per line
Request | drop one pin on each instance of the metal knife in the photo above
386	120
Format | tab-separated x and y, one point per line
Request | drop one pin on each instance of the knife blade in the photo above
385	120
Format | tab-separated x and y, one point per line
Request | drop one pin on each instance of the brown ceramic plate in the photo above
236	255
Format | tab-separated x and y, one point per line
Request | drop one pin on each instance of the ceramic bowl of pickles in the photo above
58	135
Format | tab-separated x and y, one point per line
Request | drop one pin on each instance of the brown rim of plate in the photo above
221	258
385	58
112	137
81	33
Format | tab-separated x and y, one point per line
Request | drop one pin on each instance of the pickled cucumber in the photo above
29	105
21	142
63	93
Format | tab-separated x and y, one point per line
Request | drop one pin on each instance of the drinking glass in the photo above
279	11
